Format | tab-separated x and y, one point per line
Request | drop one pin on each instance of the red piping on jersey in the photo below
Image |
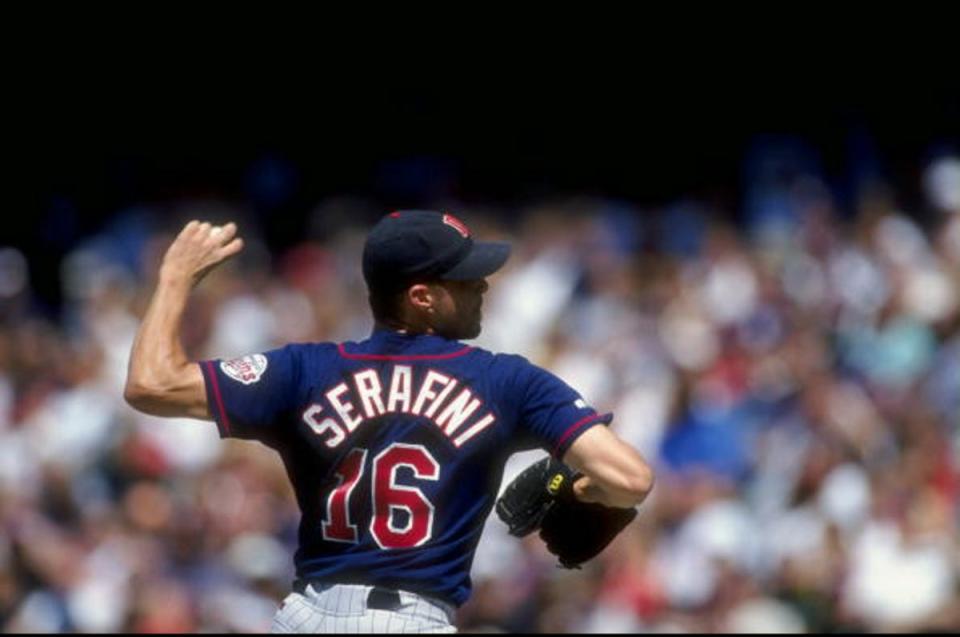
572	428
411	357
216	394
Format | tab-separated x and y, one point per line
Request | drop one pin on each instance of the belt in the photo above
383	598
378	598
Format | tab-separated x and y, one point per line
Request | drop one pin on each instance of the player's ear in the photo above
420	296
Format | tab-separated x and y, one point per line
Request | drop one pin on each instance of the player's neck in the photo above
403	328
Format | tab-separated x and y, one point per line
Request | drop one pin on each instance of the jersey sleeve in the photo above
550	410
251	397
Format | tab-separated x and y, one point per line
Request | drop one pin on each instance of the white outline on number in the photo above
346	500
435	475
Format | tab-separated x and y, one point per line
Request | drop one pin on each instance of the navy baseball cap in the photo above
407	245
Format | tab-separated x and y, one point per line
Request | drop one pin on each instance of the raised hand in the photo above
199	248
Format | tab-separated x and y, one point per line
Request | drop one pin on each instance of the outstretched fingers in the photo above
189	229
199	247
208	233
223	234
222	241
209	243
231	249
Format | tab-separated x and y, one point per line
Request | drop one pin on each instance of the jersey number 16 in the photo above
388	497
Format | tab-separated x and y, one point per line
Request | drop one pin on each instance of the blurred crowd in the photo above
794	378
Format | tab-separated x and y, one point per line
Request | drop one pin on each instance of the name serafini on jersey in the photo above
439	397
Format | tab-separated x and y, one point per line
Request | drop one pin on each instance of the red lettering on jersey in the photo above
337	526
389	496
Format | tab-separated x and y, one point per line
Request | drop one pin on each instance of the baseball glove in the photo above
541	497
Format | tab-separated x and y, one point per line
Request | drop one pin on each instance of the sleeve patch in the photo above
246	369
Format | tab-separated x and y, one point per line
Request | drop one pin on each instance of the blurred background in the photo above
761	278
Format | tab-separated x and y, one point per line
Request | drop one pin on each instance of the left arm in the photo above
160	379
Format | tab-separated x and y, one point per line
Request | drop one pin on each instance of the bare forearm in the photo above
160	373
157	352
160	378
614	473
586	489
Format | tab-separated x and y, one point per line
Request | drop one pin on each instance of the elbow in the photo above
173	394
644	481
137	395
639	484
147	395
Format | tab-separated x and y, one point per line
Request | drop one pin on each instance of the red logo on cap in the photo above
457	225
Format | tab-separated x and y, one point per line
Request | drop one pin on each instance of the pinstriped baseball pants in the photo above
342	608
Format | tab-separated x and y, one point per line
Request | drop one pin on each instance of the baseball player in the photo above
395	445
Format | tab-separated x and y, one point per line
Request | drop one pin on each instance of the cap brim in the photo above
484	258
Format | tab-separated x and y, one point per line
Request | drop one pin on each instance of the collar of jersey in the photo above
387	345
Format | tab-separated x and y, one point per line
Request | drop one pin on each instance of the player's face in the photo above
458	305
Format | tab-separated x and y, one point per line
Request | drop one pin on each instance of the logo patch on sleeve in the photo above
579	403
246	369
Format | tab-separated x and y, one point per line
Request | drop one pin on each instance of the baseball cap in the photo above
423	244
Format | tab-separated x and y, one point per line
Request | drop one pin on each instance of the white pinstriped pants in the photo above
342	608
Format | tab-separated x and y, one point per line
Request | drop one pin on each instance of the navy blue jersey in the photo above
395	447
